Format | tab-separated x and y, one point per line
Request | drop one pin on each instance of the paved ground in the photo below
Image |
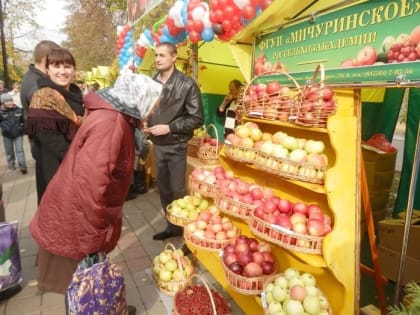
135	251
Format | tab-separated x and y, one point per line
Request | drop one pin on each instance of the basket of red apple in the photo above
238	198
242	144
172	270
205	181
210	231
200	299
317	103
186	209
296	226
293	158
210	147
264	97
294	293
247	263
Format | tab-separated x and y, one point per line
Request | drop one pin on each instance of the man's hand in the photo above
158	130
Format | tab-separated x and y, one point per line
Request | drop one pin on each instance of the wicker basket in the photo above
209	291
203	188
233	208
270	279
177	220
287	168
238	153
193	145
172	286
281	107
315	113
208	244
285	238
242	284
207	153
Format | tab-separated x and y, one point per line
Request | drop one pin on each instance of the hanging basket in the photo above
285	238
316	106
240	154
192	295
201	186
285	167
212	245
279	105
193	145
233	207
171	287
242	284
207	153
175	219
271	279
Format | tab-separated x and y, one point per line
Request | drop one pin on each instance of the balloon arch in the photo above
189	19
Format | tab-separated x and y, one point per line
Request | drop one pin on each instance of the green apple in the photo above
290	273
165	256
279	293
297	280
171	265
309	279
281	282
269	297
293	307
196	201
165	274
311	304
181	203
204	204
178	275
274	307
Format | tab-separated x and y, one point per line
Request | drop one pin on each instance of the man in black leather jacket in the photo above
170	126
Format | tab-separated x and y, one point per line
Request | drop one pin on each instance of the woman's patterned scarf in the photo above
50	111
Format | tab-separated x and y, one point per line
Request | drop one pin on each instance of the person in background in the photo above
36	71
55	113
15	93
81	210
95	86
2	88
228	107
170	127
11	123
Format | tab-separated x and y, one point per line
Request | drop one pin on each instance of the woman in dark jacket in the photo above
55	113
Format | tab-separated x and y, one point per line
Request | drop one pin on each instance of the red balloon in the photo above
228	12
198	26
190	26
248	12
214	5
218	16
194	37
224	3
226	25
255	3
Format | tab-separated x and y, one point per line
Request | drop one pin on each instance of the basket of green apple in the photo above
172	270
293	292
186	209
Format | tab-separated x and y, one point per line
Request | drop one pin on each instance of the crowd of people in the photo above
81	193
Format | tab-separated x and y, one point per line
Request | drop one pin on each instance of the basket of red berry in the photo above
200	299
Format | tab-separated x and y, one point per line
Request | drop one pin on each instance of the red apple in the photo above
258	257
366	56
268	256
284	221
300	207
269	206
284	206
272	87
297	217
313	208
229	258
256	193
315	227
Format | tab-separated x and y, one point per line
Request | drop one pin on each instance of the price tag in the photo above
230	122
263	300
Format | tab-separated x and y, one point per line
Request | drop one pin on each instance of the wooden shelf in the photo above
284	124
317	188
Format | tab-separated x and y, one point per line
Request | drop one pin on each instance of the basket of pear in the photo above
186	209
172	270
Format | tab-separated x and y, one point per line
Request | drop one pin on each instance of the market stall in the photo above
342	48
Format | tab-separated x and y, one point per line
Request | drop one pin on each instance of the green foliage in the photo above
412	295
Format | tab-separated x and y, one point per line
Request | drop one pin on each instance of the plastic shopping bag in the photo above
97	287
10	267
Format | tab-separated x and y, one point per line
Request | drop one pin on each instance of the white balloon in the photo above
198	13
241	3
119	28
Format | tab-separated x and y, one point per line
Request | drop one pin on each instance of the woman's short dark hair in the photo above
58	56
237	83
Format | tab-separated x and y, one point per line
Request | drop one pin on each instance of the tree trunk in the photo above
3	48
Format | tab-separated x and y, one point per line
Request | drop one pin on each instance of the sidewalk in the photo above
134	253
